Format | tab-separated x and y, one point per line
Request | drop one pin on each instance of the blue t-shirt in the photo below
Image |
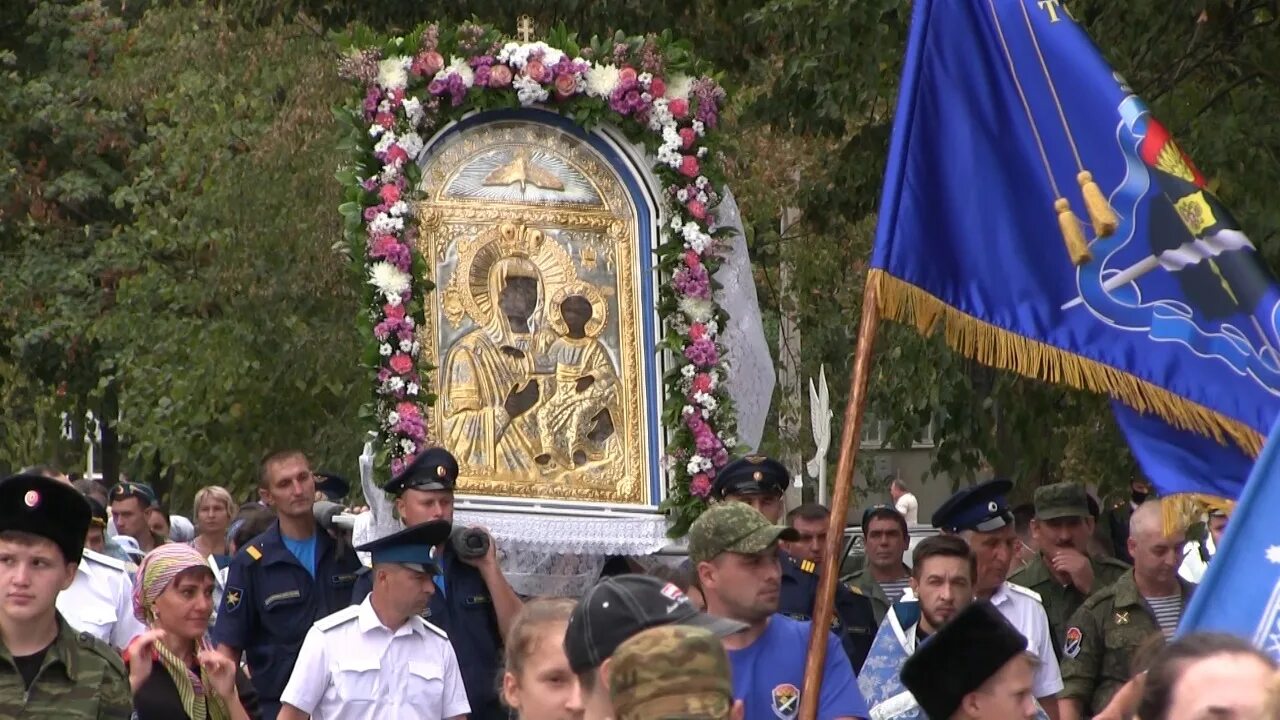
304	550
768	675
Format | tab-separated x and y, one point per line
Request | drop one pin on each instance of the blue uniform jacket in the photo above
271	601
854	619
465	611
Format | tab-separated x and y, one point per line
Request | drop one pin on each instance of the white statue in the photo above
820	422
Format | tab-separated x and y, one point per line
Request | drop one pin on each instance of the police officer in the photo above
48	669
380	659
1063	573
980	514
283	581
1147	602
473	602
760	481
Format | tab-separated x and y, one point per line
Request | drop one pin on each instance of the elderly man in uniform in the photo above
473	602
885	577
943	570
47	669
380	660
1144	604
975	668
734	550
615	610
1063	574
283	580
760	481
980	514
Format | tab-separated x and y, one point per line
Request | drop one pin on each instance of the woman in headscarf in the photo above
173	670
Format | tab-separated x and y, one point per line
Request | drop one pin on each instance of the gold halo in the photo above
599	309
471	278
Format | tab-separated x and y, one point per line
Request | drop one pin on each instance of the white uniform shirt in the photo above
100	601
352	667
909	508
1022	608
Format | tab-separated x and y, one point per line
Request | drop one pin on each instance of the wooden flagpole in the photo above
850	432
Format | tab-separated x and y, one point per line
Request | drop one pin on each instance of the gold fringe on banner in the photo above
1182	510
997	347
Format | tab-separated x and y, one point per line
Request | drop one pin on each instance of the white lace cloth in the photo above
751	375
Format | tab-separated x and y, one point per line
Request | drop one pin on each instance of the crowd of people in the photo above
111	607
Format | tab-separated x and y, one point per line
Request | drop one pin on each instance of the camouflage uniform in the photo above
671	671
1064	500
81	677
1101	639
861	583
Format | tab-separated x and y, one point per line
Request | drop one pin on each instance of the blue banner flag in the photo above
1034	207
1240	592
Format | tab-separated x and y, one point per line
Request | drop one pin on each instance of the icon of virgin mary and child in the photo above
531	389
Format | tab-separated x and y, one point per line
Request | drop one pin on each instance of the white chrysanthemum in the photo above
696	310
688	371
412	389
699	128
407	446
702	182
458	66
413	110
393	417
384	224
675	222
384	350
406	345
679	85
393	73
389	279
395	383
385	142
686	410
602	80
695	465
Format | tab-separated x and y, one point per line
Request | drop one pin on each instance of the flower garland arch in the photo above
651	89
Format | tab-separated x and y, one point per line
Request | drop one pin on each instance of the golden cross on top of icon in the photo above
524	28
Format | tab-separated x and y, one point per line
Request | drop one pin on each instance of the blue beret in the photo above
411	546
751	475
982	507
434	469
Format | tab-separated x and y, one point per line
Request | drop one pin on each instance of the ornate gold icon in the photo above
522	171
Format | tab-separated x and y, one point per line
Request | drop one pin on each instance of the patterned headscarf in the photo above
155	574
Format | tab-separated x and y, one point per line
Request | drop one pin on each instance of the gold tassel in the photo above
1072	235
991	345
1182	510
1101	216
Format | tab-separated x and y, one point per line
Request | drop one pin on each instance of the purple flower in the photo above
383	375
371	212
398	464
707	443
372	97
702	353
482	76
370	184
692	282
620	51
721	457
437	87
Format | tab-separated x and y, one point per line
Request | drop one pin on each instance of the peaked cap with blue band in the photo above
983	507
751	475
410	547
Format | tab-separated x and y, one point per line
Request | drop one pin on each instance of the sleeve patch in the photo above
232	598
1071	647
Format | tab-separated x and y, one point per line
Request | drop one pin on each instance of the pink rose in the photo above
700	485
566	85
679	109
689	166
499	76
400	363
657	88
384	245
386	120
390	194
396	96
397	154
429	63
687	137
697	331
407	410
702	382
536	71
697	209
626	75
691	259
393	312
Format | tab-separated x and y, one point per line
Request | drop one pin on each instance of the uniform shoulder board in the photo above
1024	591
102	650
1108	560
343	616
99	559
808	566
436	629
854	589
253	552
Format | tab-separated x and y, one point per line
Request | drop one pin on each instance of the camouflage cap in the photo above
1061	500
671	671
734	527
